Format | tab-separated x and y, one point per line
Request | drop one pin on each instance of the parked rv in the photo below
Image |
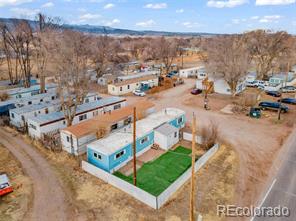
273	106
288	100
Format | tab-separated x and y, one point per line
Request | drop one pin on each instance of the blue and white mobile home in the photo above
115	150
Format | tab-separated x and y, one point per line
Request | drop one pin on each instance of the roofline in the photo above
50	122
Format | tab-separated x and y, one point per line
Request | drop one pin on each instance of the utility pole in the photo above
134	147
281	91
192	193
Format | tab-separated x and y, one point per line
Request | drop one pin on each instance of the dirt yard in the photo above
257	141
14	206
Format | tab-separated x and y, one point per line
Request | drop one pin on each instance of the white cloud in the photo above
88	17
13	2
108	6
47	5
270	18
181	10
25	12
274	2
191	24
226	4
236	21
146	24
255	17
156	5
111	23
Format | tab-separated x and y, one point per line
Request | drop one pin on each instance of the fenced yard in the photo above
157	175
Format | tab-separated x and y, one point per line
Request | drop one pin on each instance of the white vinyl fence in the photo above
188	136
141	195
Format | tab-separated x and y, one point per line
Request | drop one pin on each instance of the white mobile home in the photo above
19	116
128	86
53	122
75	138
21	92
222	87
196	72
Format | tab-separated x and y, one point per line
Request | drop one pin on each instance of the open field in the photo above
155	176
15	205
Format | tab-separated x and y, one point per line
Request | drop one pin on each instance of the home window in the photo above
46	110
52	98
68	139
30	102
180	120
114	127
41	100
128	86
120	154
86	100
145	139
117	106
120	89
12	115
64	122
175	135
98	156
23	118
82	117
127	121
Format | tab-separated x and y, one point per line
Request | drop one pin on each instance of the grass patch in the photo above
155	176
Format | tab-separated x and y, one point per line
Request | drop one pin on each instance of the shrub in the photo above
209	135
4	96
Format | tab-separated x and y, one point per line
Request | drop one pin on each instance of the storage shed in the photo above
166	136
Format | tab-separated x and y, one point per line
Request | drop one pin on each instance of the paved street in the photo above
282	190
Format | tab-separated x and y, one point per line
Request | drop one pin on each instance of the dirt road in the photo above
257	142
49	201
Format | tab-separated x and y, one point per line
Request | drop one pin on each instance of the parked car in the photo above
274	93
196	91
288	100
255	112
139	93
251	84
261	84
288	89
171	74
5	186
273	106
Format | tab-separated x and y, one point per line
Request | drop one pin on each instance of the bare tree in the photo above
228	57
71	57
265	47
46	25
165	51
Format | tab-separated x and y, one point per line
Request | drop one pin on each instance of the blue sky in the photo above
215	16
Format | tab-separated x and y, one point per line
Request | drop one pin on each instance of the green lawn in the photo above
155	176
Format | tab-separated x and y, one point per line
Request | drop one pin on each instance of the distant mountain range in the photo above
113	31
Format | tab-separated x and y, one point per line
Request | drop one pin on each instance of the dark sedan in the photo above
273	106
288	100
196	91
274	93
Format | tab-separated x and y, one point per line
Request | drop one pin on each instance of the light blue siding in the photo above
113	162
102	163
177	123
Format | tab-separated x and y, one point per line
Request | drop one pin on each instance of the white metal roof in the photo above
166	129
116	141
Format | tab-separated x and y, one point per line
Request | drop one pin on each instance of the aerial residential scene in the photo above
147	110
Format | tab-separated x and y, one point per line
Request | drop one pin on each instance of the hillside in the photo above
112	31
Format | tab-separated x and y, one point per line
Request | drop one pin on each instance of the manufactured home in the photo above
21	92
19	116
196	72
75	138
128	86
282	78
53	122
115	150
